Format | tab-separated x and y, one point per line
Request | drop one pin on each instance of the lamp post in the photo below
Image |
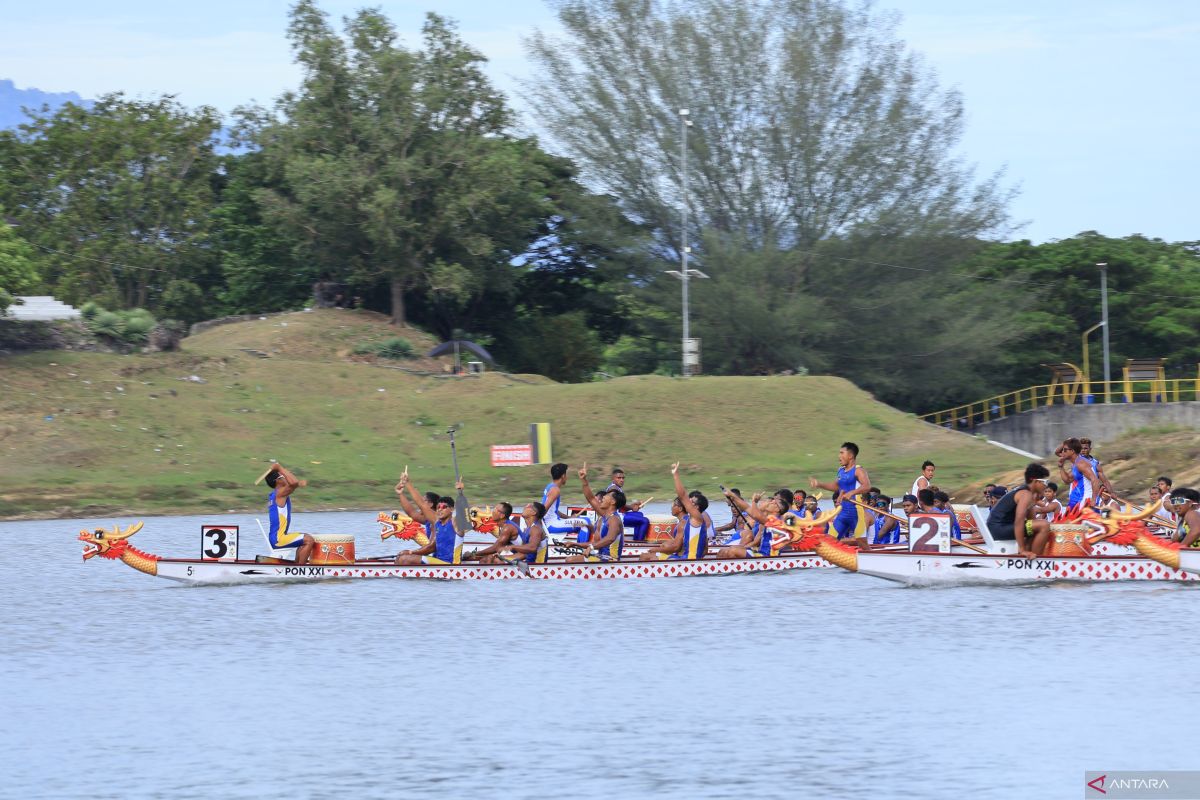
1087	372
683	273
1103	265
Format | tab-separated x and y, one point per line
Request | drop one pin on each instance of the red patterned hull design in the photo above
194	571
921	569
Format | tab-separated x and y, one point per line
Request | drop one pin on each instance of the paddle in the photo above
460	502
875	510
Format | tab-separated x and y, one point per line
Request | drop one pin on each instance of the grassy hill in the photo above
85	434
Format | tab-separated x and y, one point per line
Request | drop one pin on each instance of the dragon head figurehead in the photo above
107	544
1130	529
482	519
393	523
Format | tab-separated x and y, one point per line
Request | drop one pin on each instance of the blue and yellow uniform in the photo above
610	552
851	521
281	522
448	544
540	556
695	541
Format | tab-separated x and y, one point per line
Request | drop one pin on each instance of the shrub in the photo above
394	348
89	310
106	323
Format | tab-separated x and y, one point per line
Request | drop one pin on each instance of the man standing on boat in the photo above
1082	477
925	479
445	541
695	526
556	520
852	481
279	511
609	527
1103	485
632	514
1012	518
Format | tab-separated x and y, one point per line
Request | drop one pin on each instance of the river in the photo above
812	683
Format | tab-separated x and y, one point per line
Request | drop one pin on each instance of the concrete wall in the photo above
1042	430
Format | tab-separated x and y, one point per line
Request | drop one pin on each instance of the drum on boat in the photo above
333	548
1067	539
662	526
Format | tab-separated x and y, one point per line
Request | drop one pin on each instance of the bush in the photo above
137	327
106	323
89	310
394	348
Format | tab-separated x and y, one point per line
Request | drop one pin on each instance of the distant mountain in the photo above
13	99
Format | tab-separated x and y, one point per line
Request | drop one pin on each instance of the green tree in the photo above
389	160
116	196
811	119
17	271
1153	310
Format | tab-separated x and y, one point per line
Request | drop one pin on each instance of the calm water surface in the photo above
815	683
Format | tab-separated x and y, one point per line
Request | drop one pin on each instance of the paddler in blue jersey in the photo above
632	514
506	534
1085	486
756	540
279	511
610	529
692	530
532	539
558	520
852	481
445	541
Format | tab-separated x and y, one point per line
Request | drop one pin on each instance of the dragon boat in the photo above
334	558
1168	554
1086	547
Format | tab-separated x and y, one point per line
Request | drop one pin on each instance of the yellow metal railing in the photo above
969	415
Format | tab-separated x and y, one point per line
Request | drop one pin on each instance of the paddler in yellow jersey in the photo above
691	529
279	511
445	540
610	528
1185	503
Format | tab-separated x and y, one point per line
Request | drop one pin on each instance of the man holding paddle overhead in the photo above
445	540
279	511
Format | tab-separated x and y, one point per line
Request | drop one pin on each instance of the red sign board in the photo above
512	455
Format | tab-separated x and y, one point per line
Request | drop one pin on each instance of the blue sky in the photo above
1093	108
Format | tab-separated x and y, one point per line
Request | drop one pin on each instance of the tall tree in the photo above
390	162
115	196
811	119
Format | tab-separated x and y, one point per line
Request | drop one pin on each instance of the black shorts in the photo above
1004	533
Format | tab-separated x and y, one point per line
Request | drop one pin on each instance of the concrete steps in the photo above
42	307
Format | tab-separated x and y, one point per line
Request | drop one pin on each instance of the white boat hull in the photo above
230	572
925	569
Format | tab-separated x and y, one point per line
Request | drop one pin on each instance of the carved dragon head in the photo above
393	523
107	544
482	519
800	531
1115	522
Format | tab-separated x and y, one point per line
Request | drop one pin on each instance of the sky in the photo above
1091	107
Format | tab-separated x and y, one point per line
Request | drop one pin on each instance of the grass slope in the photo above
85	434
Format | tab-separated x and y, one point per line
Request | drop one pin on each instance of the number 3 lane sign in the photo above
929	533
219	542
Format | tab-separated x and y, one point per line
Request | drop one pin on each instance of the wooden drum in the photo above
1067	539
333	548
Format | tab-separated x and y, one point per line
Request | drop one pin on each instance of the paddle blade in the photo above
461	521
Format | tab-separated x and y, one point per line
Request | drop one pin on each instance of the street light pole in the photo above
1087	370
1103	265
684	122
